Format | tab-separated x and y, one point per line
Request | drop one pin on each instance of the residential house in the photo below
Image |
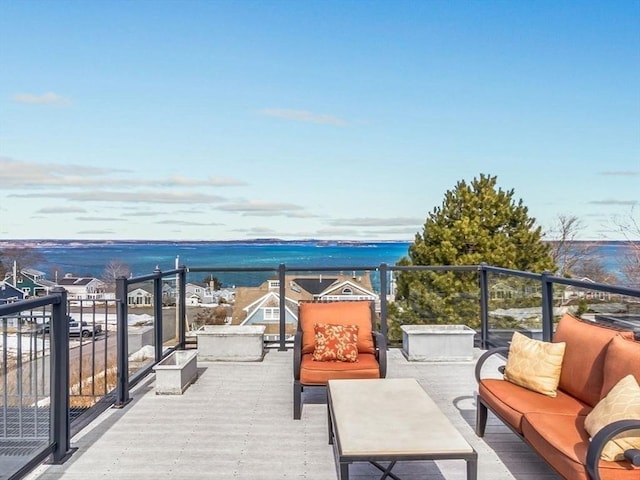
83	288
30	281
574	293
196	294
140	297
502	291
261	305
9	293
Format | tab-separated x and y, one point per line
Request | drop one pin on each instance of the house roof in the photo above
297	287
67	281
32	272
315	285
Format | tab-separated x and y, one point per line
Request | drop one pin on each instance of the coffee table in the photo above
390	420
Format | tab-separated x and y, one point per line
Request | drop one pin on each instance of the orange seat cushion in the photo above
511	402
336	313
582	373
318	373
622	359
563	442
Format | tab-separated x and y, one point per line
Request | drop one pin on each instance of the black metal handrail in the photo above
59	446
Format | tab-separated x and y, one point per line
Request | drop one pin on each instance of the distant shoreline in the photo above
256	241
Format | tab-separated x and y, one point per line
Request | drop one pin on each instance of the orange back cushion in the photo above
336	313
622	359
582	372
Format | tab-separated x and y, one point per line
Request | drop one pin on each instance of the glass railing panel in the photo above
621	311
141	324
514	304
428	297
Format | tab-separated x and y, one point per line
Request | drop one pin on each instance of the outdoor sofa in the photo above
595	363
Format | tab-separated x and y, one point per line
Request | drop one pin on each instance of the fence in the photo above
57	384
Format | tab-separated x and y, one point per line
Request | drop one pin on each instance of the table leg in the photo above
344	471
472	468
386	471
330	423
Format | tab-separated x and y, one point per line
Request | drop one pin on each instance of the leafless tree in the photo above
566	250
211	316
113	270
629	227
24	257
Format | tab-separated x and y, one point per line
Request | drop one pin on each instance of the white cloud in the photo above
261	208
303	116
101	219
49	98
614	202
187	223
128	197
209	182
22	174
375	222
57	210
627	173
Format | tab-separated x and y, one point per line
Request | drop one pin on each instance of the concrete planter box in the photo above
437	343
176	372
231	343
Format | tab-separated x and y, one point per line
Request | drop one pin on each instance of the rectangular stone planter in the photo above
176	372
437	343
231	343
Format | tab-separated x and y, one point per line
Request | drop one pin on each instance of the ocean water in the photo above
90	258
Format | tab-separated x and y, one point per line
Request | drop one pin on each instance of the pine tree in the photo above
477	222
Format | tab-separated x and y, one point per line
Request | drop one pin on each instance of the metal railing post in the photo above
547	306
484	305
157	312
383	300
282	305
122	342
59	377
182	307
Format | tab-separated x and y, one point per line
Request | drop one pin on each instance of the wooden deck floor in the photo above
235	422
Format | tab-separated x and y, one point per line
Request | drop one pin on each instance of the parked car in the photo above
76	328
83	329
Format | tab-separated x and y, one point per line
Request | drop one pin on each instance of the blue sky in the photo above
218	120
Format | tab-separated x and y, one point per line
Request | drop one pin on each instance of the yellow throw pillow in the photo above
534	364
621	403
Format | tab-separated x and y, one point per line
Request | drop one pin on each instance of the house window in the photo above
347	291
271	313
274	284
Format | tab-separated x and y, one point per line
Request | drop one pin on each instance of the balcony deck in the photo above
236	422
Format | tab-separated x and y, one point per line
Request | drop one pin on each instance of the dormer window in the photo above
274	284
271	313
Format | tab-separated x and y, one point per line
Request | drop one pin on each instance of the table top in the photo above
392	416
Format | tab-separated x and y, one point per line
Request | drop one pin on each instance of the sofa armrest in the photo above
485	356
297	355
380	343
601	438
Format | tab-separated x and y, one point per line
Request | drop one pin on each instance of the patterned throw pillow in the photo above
621	403
336	342
534	364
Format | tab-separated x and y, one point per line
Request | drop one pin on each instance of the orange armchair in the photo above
372	346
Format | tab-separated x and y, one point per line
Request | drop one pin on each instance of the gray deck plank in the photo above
235	422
